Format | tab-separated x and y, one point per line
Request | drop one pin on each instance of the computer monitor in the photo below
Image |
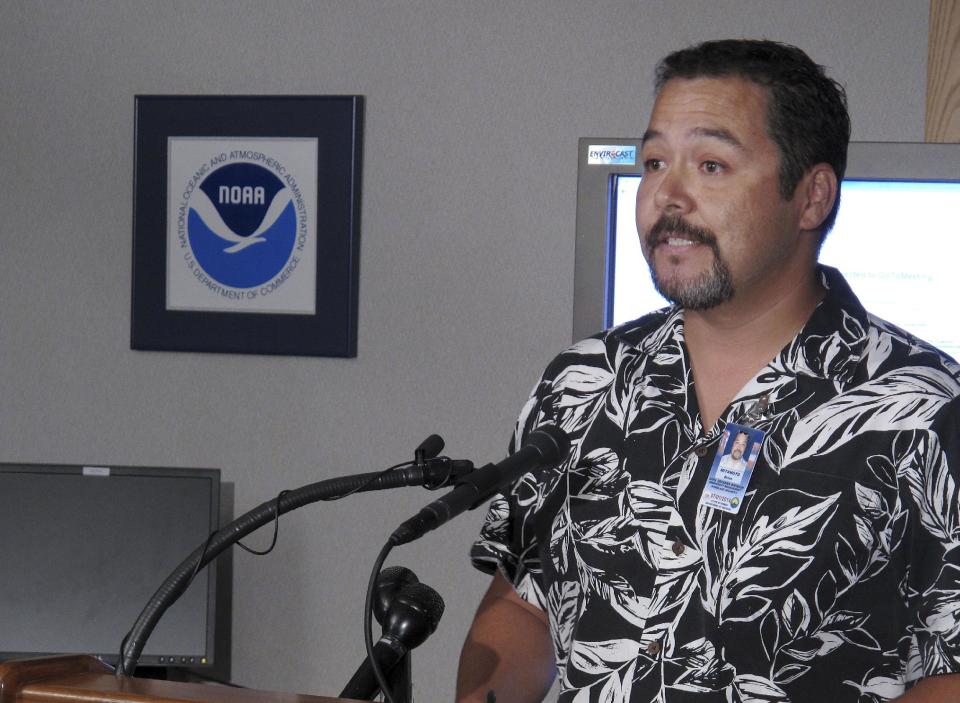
85	547
896	238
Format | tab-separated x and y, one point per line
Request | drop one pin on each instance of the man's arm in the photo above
508	650
934	689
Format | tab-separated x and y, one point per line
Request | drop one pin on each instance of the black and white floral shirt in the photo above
837	580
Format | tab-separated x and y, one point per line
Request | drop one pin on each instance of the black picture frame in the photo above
336	123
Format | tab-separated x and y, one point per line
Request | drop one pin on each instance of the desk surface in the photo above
79	679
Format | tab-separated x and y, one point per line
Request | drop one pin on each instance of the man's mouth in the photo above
676	241
675	232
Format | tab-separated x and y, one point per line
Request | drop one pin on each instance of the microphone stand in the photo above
399	676
401	680
434	473
412	618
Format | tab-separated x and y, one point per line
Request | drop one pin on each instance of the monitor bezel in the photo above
213	577
882	161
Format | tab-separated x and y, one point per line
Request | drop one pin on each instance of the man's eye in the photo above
712	167
652	165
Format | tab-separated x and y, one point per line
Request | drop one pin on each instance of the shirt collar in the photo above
832	342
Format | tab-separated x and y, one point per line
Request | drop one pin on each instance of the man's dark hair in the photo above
807	115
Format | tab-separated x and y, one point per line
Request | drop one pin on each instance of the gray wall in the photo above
469	181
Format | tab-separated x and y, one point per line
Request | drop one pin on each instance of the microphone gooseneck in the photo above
430	472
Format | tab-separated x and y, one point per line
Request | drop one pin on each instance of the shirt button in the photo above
678	547
653	649
700	452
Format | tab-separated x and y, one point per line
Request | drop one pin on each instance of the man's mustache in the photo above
674	224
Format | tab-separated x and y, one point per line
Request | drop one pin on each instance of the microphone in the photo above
547	445
390	583
429	470
412	617
428	449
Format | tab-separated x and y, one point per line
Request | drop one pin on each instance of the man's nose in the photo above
672	194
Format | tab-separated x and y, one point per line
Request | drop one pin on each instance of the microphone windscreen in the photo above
430	447
390	583
552	442
414	615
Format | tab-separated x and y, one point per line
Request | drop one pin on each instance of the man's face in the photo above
712	223
739	447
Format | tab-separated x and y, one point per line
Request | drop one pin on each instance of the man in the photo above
835	573
734	463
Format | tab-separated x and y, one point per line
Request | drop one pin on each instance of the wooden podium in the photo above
82	679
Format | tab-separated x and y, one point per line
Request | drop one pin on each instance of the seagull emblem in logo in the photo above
208	213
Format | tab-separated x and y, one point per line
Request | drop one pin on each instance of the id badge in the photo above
732	468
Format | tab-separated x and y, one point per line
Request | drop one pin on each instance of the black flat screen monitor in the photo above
85	547
896	239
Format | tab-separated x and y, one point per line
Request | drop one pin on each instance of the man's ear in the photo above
818	192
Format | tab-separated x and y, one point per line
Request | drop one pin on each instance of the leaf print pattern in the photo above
563	603
702	670
904	398
933	489
748	566
839	577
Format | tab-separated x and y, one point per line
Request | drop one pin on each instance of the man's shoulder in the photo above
902	379
590	367
890	350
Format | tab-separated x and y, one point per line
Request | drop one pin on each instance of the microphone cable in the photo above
368	623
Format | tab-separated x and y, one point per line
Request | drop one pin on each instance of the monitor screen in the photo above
86	547
895	238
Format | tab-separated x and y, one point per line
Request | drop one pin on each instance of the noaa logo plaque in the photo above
242	225
246	224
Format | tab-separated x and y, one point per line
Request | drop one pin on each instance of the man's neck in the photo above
730	343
